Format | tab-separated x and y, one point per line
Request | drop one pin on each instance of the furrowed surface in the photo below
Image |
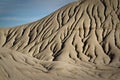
80	41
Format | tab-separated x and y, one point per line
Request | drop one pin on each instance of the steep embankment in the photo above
84	33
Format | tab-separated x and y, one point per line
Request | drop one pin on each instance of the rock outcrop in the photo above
80	41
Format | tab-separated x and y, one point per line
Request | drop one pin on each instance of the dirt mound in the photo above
80	41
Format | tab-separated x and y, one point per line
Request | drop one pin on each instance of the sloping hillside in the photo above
80	41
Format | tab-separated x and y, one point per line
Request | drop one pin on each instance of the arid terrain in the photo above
80	41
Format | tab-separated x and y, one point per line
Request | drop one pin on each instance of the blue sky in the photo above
16	12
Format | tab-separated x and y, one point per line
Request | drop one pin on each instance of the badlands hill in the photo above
80	41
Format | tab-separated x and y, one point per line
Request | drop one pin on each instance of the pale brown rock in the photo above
80	41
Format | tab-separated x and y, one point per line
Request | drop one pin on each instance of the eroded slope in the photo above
85	31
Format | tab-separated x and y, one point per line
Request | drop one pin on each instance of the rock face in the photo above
80	41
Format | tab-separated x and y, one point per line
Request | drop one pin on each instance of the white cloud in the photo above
19	18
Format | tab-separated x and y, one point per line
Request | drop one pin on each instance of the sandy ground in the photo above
80	41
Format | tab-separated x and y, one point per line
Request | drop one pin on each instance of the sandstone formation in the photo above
80	41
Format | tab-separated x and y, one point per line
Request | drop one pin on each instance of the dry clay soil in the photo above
80	41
